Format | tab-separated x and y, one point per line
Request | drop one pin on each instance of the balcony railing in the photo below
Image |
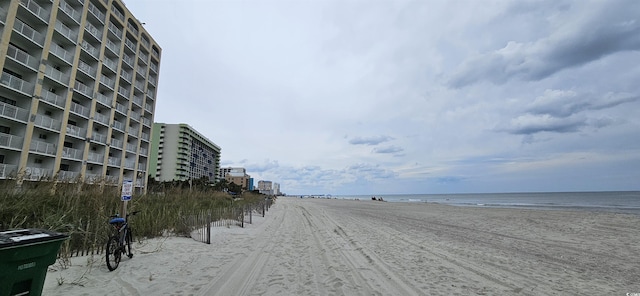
76	131
11	141
107	101
95	157
53	99
144	136
123	91
133	29
87	69
107	81
146	121
110	64
101	118
93	31
118	125
115	161
32	6
126	75
83	89
150	94
117	13
142	71
96	12
143	57
17	83
28	32
3	15
145	42
23	57
13	112
116	143
72	13
131	147
98	137
130	44
133	132
113	47
154	67
135	115
137	100
127	59
79	109
71	153
129	164
152	80
56	75
115	30
47	122
8	170
42	147
139	85
36	174
60	52
94	52
67	175
66	32
144	151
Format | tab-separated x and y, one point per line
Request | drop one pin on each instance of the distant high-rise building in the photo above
181	153
78	91
265	187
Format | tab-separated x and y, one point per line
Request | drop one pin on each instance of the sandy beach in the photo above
348	247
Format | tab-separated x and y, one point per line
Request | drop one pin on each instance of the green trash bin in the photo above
25	255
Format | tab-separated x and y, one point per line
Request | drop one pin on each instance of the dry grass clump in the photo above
82	210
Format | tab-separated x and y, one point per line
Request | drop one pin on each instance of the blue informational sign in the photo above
127	190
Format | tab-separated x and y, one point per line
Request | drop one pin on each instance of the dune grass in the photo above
82	211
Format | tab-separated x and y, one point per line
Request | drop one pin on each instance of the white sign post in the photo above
127	190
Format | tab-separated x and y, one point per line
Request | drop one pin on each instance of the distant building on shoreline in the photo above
238	176
268	187
77	93
180	153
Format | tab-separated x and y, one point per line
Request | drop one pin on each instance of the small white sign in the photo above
127	190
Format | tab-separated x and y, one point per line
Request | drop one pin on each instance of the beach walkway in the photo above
348	247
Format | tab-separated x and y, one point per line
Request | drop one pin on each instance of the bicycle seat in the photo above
116	220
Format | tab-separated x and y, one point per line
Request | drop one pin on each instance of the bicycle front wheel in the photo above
113	253
128	241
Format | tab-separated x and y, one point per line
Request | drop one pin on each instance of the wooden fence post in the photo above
209	228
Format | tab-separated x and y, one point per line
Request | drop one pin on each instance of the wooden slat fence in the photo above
90	239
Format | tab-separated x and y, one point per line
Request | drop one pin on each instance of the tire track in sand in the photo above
240	276
365	269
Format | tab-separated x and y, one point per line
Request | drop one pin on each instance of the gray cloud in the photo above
531	124
559	111
374	140
388	150
559	103
585	33
370	171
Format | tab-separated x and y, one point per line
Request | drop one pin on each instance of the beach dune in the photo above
348	247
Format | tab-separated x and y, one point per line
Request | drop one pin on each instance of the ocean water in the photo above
611	201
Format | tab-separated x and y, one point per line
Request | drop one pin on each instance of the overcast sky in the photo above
382	97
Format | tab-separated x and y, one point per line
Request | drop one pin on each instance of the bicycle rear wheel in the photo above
114	254
128	241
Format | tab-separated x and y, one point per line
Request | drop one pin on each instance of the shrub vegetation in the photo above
82	210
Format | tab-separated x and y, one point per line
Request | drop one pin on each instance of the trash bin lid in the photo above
16	237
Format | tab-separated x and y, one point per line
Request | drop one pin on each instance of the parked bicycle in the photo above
120	242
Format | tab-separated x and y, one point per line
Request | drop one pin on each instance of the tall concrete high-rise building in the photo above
78	91
181	153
